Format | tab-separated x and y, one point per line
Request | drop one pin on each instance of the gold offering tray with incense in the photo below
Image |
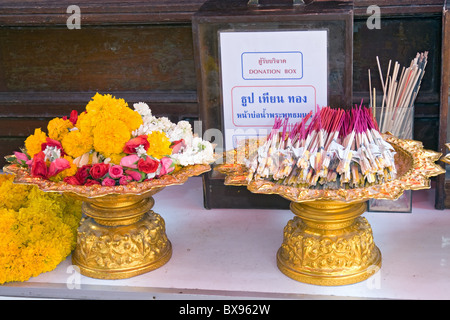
328	242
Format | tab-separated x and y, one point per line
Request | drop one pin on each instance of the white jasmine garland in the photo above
199	152
152	123
143	109
140	151
182	130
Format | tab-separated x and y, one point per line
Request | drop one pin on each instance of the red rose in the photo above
72	180
148	165
90	182
73	117
82	173
98	170
132	144
38	165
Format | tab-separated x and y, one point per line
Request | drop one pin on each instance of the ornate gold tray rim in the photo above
415	178
179	177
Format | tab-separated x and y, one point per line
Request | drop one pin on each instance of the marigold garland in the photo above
37	230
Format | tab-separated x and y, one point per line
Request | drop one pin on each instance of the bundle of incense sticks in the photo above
337	149
399	93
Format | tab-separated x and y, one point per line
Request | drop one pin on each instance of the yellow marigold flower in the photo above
33	142
76	143
106	108
84	123
110	137
58	128
159	145
105	105
132	118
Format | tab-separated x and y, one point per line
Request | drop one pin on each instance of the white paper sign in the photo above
270	74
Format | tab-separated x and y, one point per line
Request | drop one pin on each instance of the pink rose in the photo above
129	161
166	166
124	180
108	182
21	157
116	171
57	166
178	145
137	176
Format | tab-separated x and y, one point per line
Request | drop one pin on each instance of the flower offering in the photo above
331	149
111	144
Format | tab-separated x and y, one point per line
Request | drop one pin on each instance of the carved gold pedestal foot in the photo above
121	238
328	244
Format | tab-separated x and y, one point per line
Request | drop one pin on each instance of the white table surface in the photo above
231	254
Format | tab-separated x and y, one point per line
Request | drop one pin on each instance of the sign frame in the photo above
289	82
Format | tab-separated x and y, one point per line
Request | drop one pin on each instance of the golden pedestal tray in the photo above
328	242
121	236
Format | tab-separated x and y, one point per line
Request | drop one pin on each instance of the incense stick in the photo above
400	90
338	149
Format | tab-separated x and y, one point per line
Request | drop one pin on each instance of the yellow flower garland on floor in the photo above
38	230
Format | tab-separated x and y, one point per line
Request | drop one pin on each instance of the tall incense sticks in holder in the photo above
395	113
328	170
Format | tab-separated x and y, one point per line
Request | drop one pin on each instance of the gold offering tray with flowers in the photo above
114	159
121	237
328	242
